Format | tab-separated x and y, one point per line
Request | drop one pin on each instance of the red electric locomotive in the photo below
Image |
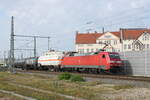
97	61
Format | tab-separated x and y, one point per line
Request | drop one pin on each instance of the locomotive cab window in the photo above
103	56
114	56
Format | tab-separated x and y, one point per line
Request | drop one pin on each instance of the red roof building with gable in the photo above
133	39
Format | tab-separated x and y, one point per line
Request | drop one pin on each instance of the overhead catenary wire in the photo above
118	20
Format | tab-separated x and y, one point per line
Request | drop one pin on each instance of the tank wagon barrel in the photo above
26	63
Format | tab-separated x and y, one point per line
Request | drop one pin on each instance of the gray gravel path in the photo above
50	92
18	95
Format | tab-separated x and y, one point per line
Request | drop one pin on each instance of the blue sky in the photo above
60	19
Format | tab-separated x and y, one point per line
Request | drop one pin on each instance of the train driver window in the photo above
103	56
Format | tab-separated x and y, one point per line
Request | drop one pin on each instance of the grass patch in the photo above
77	78
126	86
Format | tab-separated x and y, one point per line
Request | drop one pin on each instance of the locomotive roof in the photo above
86	54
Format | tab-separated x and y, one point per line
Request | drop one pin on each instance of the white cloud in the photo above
109	6
63	17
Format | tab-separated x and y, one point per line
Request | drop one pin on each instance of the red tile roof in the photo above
116	34
87	38
133	33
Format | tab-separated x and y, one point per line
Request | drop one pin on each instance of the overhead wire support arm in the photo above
24	49
32	36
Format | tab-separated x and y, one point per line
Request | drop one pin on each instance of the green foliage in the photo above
77	78
68	76
64	76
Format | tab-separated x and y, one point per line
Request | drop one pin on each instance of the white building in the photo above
123	40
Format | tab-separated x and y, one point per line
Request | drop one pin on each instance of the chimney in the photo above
121	39
77	32
121	35
103	30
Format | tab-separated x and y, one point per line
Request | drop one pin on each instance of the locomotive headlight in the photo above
118	61
115	61
112	61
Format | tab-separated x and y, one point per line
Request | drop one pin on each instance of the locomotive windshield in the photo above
114	56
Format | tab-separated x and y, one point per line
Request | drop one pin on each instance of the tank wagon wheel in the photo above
57	68
51	68
23	67
39	67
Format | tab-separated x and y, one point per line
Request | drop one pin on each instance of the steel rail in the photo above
117	77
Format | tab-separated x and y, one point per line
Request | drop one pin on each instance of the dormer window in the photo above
146	37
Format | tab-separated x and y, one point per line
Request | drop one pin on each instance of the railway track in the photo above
116	77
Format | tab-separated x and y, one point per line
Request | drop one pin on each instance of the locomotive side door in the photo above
103	61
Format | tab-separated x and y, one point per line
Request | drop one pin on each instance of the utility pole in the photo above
48	43
103	30
121	39
11	58
34	46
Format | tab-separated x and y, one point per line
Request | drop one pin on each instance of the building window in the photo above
90	45
87	50
97	49
107	41
82	51
129	46
144	46
137	46
115	42
81	45
79	50
147	46
125	46
100	42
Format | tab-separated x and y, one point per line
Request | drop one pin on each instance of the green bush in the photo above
64	76
75	78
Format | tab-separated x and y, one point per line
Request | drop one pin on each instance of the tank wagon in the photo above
92	62
26	63
19	63
31	63
50	60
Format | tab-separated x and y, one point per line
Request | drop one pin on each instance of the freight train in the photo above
96	62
